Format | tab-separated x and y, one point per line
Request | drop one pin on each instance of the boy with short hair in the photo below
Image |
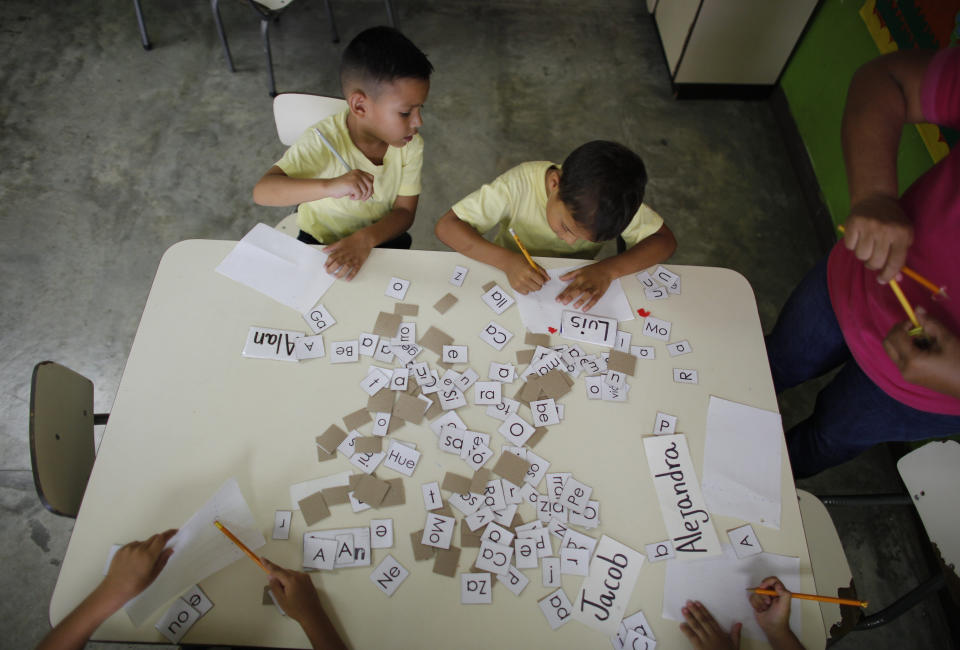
565	211
385	79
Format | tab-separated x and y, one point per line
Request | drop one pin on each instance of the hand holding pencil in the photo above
524	274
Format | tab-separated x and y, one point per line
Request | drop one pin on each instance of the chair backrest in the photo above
61	436
294	113
932	477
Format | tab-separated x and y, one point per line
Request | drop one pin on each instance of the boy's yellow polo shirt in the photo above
330	220
518	199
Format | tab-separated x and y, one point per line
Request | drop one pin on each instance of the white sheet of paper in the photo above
278	266
688	523
200	549
712	580
739	484
540	310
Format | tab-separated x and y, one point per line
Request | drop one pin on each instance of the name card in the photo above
606	590
264	343
681	501
588	328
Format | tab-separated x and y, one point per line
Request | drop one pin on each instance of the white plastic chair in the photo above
293	114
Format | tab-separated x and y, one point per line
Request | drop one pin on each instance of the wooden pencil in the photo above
243	547
821	599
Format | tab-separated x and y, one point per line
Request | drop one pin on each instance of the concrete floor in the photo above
112	154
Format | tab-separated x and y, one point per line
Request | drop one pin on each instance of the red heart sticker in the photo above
552	330
643	312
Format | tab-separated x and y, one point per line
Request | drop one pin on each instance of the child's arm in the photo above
703	631
298	598
349	254
133	569
275	188
773	615
589	283
462	238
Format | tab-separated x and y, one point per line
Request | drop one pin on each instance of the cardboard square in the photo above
480	479
444	510
468	538
554	385
354	479
420	551
371	490
368	445
525	356
322	455
330	439
488	286
455	483
434	340
446	561
622	362
335	496
357	419
435	409
530	390
382	401
537	339
408	408
396	494
395	423
406	309
511	467
314	508
537	436
387	324
444	304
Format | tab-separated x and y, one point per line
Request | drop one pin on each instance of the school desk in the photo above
190	412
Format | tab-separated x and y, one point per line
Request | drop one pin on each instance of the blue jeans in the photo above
851	414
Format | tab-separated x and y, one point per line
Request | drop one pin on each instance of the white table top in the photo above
191	412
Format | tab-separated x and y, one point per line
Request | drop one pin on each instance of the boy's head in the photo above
385	78
596	193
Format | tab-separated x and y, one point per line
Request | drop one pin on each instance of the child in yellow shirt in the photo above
563	211
385	79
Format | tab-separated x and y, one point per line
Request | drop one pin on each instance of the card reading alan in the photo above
588	328
681	500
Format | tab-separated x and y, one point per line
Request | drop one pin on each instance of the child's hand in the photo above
347	256
523	277
936	366
703	631
587	286
772	612
355	184
135	566
295	593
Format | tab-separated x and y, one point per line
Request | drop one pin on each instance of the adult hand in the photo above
703	631
135	566
523	277
935	363
587	286
879	234
355	184
347	256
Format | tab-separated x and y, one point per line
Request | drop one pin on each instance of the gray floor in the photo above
111	154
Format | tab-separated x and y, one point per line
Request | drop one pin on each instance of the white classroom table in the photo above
191	412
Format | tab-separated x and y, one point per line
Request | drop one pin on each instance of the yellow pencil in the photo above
523	249
821	599
243	547
917	329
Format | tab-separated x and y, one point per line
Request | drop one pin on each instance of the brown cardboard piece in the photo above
420	552
435	409
357	419
488	286
480	479
444	510
314	508
408	408
434	340
444	304
537	339
323	456
446	561
395	423
511	467
622	362
554	385
354	479
396	495
381	401
368	445
535	439
335	496
468	538
371	490
406	309
525	356
455	483
387	324
330	439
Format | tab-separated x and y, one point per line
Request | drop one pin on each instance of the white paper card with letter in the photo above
681	503
540	309
200	549
738	484
606	590
278	266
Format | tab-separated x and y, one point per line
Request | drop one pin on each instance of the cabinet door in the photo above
674	22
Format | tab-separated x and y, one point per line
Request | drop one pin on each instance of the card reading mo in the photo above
588	328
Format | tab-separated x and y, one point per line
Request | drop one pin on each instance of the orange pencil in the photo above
243	547
822	599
